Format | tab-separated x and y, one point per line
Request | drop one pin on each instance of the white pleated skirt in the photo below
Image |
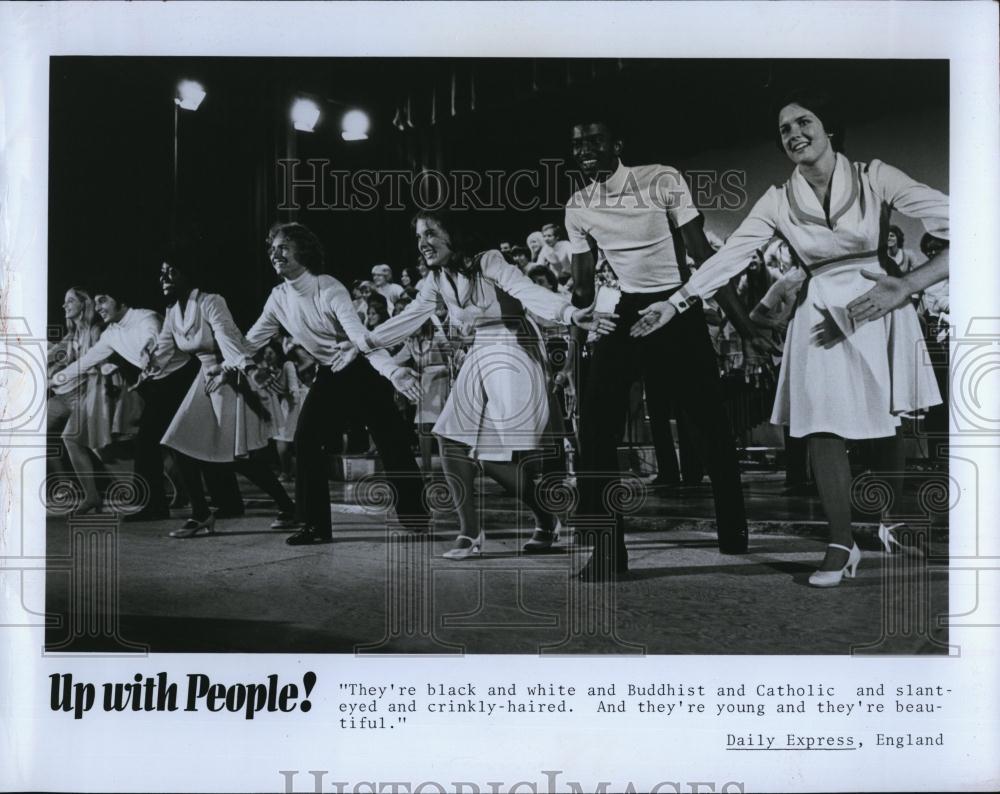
217	427
859	386
500	402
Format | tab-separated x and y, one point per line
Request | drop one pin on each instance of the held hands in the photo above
762	341
406	382
215	376
826	333
889	293
654	316
343	355
599	323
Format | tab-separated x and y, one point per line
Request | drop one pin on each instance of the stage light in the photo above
305	115
355	126
190	94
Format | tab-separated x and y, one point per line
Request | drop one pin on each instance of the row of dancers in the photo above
853	360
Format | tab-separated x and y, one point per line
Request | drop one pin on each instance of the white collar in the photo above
840	185
617	180
126	318
303	284
190	312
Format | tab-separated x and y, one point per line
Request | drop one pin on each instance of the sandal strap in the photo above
838	546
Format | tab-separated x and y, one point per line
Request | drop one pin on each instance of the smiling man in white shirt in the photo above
317	312
632	214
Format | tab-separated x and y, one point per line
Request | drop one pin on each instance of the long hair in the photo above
463	260
894	229
83	331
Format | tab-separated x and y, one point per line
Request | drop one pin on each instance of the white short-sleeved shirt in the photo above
629	216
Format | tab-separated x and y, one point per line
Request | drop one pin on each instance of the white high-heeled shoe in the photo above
466	547
887	538
832	578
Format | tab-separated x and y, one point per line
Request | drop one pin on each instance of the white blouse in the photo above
204	327
472	302
860	192
131	338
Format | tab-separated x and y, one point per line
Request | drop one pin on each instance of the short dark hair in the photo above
894	229
183	251
542	270
308	248
822	104
114	289
596	112
929	244
519	250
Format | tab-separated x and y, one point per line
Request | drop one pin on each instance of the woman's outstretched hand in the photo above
406	383
654	316
888	294
600	323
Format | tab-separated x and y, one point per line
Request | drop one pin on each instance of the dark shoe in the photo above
604	568
285	520
147	515
735	543
308	536
194	526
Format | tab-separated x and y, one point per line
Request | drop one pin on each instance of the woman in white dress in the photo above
91	412
499	404
842	377
219	421
67	403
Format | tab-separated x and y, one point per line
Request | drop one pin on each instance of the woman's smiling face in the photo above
433	242
72	306
803	136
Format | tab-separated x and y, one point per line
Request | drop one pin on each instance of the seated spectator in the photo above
384	286
360	292
378	312
521	257
409	278
557	252
535	243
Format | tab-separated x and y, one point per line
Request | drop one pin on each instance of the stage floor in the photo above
377	589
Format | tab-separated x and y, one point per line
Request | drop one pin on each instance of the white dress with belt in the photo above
220	426
856	387
500	401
